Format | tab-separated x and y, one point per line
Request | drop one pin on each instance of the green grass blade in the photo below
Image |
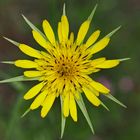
18	78
12	41
82	106
63	119
33	27
115	100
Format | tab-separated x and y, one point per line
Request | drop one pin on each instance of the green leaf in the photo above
7	62
25	113
33	27
92	13
113	32
18	78
12	41
105	106
82	106
115	100
63	119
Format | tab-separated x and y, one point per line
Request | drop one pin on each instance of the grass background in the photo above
119	123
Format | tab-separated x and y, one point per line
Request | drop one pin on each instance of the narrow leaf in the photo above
12	41
18	78
113	32
92	13
33	27
115	100
82	106
25	113
63	119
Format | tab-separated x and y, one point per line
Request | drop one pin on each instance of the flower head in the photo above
63	67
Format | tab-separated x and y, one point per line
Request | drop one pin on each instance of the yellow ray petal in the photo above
99	87
65	27
82	32
33	91
99	45
33	73
38	100
59	30
26	64
91	40
97	61
49	31
73	109
30	51
41	41
71	38
108	64
66	105
47	105
91	97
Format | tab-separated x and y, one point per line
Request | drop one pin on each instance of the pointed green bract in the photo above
107	36
63	119
92	13
25	113
124	59
8	62
82	106
105	106
115	100
17	79
33	27
113	32
64	9
12	41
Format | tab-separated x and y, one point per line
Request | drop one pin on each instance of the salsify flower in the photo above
64	67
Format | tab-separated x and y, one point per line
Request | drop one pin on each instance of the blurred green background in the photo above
119	123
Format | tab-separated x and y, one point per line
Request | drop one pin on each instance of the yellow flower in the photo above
64	66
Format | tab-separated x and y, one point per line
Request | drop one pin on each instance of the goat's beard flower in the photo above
64	67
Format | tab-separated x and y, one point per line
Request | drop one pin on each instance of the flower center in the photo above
66	68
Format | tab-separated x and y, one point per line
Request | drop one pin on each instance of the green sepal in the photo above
63	119
115	100
92	13
25	113
105	106
82	107
12	41
64	9
108	35
113	32
33	27
18	78
8	62
124	59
